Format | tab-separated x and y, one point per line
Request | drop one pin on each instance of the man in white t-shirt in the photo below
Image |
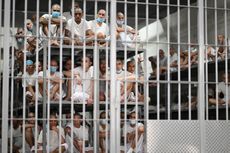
78	26
80	134
86	76
55	81
220	49
99	27
103	132
53	139
125	33
173	59
131	128
16	135
55	21
29	80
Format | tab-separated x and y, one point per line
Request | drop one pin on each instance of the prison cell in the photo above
114	76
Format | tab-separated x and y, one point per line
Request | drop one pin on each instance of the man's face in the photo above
30	68
77	121
53	121
29	25
86	61
31	118
131	67
68	65
161	54
78	15
119	65
56	8
103	66
101	14
220	38
120	17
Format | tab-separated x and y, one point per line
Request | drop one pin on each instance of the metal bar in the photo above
113	131
189	62
5	98
226	56
179	70
200	74
157	73
206	59
168	61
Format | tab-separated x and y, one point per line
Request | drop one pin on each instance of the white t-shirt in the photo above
78	29
77	134
101	129
29	79
173	58
53	138
99	29
17	136
86	78
56	74
222	88
140	146
53	27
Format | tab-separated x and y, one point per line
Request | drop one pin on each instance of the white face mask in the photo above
119	71
120	22
103	122
132	121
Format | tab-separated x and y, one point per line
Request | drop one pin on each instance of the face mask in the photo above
103	122
53	69
120	22
132	122
100	20
119	71
30	29
55	14
20	40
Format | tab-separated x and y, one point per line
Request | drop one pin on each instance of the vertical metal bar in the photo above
113	131
24	80
200	74
12	80
95	116
216	62
146	83
157	73
206	59
189	62
226	56
36	85
44	98
168	60
61	74
179	71
5	98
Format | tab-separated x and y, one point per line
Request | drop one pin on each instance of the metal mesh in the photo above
176	136
217	136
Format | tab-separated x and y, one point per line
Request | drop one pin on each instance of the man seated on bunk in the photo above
53	76
183	60
122	76
16	135
55	21
29	81
82	83
140	76
125	34
54	142
80	135
103	76
103	133
30	131
100	28
220	49
162	63
223	98
133	127
78	27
